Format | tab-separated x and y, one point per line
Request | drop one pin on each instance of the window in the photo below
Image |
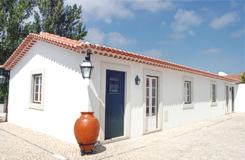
37	88
154	96
213	92
187	92
147	96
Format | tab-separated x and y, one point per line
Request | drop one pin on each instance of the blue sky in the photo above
205	34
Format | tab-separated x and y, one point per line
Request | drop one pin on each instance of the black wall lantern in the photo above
86	66
137	80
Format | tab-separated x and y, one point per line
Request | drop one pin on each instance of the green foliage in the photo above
3	92
20	17
13	14
54	17
243	77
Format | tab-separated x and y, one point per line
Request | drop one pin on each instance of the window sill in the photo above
153	131
188	106
214	104
36	106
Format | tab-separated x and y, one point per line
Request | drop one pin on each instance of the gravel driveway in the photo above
222	138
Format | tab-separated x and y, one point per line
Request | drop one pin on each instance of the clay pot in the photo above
86	131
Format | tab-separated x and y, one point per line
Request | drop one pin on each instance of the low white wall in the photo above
1	108
240	98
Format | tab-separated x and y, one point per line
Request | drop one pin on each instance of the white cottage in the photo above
130	94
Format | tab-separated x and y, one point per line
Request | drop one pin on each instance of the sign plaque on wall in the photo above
114	85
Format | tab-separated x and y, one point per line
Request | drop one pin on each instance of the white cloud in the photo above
116	39
184	20
152	6
156	53
205	9
213	51
31	18
238	33
113	39
177	36
95	36
192	33
106	10
224	20
103	9
183	23
153	53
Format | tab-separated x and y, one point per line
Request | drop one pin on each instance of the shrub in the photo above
243	77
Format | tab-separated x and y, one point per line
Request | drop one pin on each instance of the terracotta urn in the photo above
86	131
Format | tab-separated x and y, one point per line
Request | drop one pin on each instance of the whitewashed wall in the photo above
66	93
240	98
175	113
1	108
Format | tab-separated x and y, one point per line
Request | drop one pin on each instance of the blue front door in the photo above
114	115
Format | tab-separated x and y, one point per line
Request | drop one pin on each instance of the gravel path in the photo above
222	138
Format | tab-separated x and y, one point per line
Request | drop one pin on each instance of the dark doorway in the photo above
114	115
227	98
232	98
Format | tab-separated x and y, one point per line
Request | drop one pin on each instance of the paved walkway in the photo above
222	138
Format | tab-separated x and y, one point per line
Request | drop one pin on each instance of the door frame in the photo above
232	99
230	108
227	97
157	74
122	68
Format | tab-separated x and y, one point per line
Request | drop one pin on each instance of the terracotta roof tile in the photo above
63	40
235	76
81	46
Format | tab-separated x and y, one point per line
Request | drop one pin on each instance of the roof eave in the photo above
77	46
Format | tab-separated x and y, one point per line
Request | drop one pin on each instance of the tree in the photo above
53	17
243	77
20	17
13	14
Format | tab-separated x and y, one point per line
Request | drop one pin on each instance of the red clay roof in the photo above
235	76
80	47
